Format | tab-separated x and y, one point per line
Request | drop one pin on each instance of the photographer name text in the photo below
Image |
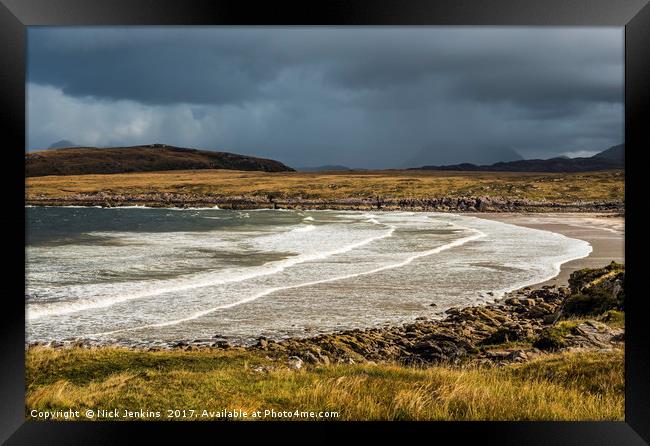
222	414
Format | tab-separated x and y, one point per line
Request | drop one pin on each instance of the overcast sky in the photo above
362	97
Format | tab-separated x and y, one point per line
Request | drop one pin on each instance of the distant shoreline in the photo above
371	190
442	204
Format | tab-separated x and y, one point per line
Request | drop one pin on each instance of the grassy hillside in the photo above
155	157
568	386
387	184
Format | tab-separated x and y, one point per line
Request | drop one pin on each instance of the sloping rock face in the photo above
594	335
596	290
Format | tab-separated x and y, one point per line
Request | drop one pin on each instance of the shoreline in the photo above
504	331
442	204
604	232
551	290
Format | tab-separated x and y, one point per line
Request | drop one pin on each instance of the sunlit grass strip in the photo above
569	386
561	188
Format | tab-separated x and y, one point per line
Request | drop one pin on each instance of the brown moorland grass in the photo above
558	187
567	386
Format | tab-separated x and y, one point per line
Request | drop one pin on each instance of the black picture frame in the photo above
634	15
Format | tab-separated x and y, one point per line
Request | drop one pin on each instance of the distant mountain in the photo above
612	158
61	144
154	157
461	154
326	168
613	153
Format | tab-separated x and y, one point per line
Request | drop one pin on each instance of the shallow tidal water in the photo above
143	276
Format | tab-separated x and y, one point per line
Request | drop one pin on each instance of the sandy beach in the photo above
605	233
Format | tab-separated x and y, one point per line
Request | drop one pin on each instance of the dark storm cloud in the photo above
370	97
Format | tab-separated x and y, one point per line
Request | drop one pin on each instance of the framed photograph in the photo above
394	217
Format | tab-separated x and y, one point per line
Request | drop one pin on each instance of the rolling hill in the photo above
148	158
326	168
452	154
613	153
612	158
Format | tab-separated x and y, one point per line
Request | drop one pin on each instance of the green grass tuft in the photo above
568	386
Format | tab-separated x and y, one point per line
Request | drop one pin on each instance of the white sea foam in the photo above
273	281
578	249
579	252
64	207
408	260
305	228
133	206
37	311
215	207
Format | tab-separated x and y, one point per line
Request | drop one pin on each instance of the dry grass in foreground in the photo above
569	386
558	187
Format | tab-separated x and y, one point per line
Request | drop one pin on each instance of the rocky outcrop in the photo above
594	335
518	328
596	290
465	333
439	204
498	333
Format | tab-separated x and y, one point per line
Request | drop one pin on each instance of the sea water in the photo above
142	275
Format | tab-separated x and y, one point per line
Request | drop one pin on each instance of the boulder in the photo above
262	342
310	358
295	363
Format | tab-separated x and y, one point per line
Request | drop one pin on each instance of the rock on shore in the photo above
440	204
465	334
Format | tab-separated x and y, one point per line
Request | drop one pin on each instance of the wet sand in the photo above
605	233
